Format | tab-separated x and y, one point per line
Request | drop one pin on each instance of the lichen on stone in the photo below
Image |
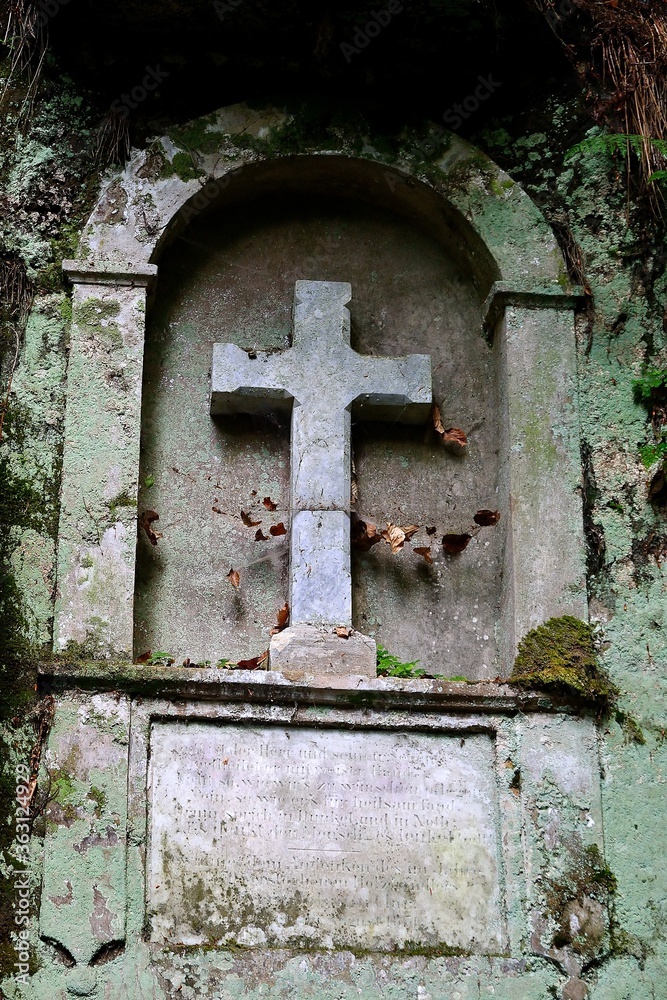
579	900
560	655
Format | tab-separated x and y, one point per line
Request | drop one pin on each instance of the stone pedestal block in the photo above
319	650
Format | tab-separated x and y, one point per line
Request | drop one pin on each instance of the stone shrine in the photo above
315	830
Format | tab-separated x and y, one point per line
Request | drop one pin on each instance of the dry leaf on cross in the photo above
234	578
248	521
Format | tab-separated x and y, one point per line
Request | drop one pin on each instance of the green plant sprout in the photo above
160	660
389	665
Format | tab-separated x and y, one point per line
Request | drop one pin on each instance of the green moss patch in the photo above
560	655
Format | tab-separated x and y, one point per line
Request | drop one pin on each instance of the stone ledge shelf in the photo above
296	687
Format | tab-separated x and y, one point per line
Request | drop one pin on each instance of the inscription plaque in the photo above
296	837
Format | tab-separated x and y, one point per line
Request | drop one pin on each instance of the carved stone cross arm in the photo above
324	381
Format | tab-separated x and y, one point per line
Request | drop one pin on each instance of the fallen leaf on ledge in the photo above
234	578
254	664
278	529
260	536
342	632
269	504
248	521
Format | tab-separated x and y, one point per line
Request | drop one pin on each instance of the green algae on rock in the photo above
561	655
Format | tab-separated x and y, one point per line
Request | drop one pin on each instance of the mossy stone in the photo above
560	655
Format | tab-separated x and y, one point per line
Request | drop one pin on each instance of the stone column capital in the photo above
104	272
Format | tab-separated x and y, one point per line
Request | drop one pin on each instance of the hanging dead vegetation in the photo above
113	139
623	64
24	34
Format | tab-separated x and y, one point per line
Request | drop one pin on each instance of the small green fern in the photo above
650	387
619	143
389	665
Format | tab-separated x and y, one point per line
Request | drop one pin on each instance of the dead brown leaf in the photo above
453	544
283	615
411	530
431	531
425	551
343	633
260	536
282	620
452	438
278	529
145	521
394	536
234	578
269	504
364	535
248	521
145	657
455	440
255	663
486	518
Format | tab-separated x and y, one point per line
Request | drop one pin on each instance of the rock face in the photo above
141	756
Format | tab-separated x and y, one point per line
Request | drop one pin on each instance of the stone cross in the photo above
323	380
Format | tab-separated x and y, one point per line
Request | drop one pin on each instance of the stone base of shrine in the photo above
323	650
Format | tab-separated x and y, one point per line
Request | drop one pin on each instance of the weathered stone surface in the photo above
318	650
323	380
380	841
83	898
98	515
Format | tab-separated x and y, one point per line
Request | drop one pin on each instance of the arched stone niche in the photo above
482	290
